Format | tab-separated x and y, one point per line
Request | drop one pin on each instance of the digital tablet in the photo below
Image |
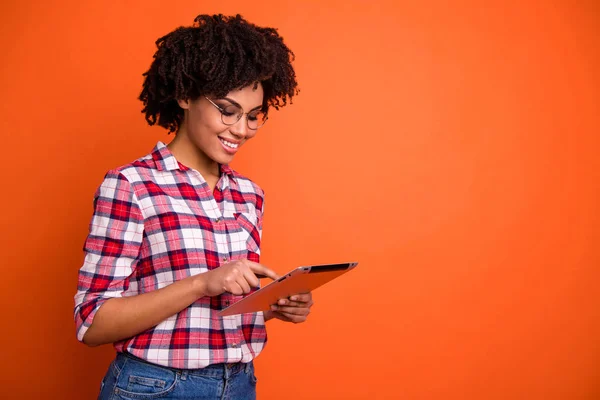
299	280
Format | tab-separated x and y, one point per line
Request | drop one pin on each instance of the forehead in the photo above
248	97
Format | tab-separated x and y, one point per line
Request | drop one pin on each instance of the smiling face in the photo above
203	140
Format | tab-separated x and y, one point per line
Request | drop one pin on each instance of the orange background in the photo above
452	151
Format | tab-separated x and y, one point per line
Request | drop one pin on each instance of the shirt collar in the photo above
166	161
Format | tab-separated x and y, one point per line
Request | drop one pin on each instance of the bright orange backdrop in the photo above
451	150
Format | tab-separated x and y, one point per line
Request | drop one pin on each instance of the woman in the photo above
175	235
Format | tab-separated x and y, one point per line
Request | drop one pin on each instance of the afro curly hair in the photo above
213	57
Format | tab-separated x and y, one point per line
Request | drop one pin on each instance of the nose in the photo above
240	128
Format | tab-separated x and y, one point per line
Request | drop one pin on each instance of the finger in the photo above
241	280
251	278
281	316
289	303
292	317
262	270
235	288
291	310
302	297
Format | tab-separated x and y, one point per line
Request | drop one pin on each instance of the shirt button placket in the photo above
219	220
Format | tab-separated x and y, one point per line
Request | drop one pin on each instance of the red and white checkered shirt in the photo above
155	222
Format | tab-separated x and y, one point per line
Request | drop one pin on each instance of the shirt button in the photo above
225	259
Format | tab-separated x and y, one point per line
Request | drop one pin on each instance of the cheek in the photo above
203	127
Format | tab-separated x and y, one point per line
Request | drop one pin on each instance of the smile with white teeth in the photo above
229	144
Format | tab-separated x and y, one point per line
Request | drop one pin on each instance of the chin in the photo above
223	158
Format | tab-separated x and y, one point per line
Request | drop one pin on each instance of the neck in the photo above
191	156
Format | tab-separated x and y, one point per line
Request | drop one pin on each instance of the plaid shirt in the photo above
156	221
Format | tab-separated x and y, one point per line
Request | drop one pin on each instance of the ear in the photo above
184	103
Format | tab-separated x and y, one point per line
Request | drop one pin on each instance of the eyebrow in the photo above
235	103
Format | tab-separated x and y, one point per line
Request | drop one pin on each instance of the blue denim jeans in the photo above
130	378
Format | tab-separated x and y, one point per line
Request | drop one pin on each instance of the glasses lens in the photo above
256	119
231	114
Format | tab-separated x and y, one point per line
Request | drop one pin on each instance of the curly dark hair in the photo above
213	57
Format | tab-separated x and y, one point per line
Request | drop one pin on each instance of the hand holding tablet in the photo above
299	280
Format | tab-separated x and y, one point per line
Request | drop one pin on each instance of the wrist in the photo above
268	315
199	285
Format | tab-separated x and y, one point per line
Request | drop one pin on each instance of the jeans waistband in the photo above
219	371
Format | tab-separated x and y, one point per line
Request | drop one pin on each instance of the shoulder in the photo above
135	171
127	176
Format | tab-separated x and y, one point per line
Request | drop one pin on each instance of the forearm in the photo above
124	317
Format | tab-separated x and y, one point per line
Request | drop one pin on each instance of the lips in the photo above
229	145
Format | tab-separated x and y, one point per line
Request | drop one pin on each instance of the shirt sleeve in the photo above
111	248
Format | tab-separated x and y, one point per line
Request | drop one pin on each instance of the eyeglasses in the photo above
232	113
